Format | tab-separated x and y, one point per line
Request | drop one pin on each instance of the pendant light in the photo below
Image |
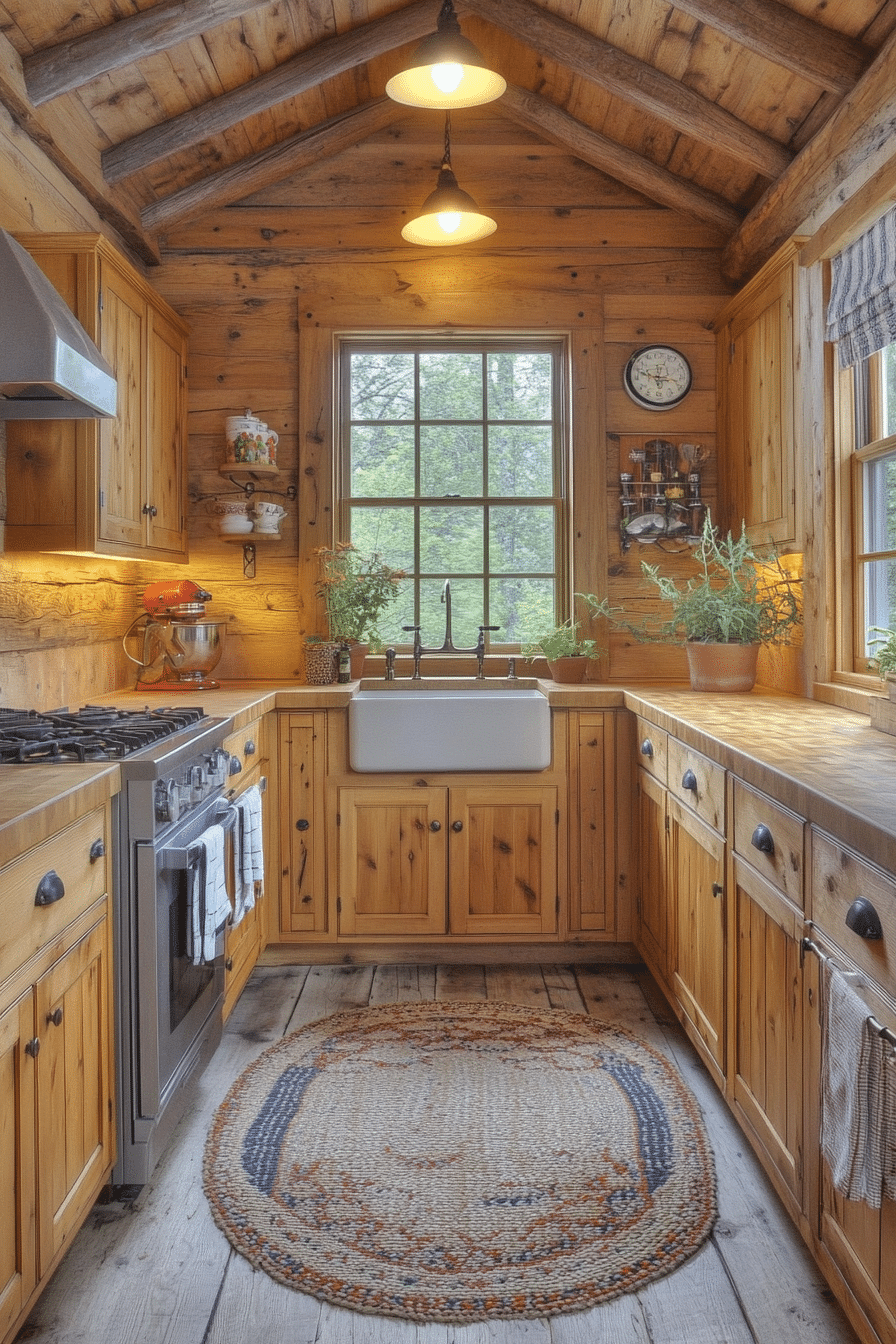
448	215
446	71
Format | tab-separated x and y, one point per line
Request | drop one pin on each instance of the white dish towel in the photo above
248	851
209	901
858	1106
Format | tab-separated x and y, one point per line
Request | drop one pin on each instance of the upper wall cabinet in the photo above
758	368
114	487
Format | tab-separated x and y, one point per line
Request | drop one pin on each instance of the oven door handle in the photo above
177	857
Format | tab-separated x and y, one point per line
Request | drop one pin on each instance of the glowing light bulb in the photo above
449	221
447	76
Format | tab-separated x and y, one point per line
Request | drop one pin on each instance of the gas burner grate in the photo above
92	733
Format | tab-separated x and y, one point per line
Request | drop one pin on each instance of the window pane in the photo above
451	460
521	540
880	594
451	541
520	460
523	608
467	612
388	532
879	492
520	385
888	368
382	461
451	386
382	385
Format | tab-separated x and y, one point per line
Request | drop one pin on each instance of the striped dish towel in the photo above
209	902
248	851
852	1119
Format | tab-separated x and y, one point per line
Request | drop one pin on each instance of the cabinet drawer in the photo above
653	748
839	879
698	782
71	879
249	743
770	839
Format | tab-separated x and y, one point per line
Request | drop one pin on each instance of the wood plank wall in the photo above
262	323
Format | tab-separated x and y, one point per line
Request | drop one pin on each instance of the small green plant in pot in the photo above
739	601
356	589
883	656
566	651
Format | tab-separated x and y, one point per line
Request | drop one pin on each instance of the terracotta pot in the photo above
722	667
568	670
321	664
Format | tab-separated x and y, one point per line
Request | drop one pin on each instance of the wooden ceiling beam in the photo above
635	82
786	38
327	59
863	124
68	65
658	184
270	165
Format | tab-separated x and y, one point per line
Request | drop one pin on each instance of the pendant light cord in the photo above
446	157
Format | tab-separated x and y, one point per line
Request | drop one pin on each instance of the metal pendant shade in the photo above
449	215
446	71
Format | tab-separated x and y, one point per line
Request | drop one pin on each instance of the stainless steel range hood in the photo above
50	369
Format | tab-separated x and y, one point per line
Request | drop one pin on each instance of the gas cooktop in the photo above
92	733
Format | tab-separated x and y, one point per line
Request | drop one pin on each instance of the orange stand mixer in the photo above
180	649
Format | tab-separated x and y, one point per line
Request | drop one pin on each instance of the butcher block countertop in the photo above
827	764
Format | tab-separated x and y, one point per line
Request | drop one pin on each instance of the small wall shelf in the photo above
249	541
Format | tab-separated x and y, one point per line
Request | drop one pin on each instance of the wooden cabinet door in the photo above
592	824
18	1258
301	794
392	861
756	363
697	872
166	437
74	1089
653	883
503	860
122	439
766	1061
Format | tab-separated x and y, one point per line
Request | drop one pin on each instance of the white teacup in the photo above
268	516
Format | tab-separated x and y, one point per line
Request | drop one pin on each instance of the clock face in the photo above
657	377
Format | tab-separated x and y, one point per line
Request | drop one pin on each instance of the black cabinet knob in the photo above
302	824
647	748
97	850
689	781
435	825
717	889
457	826
55	1017
863	919
49	889
763	840
32	1047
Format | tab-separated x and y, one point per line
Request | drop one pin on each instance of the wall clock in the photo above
657	377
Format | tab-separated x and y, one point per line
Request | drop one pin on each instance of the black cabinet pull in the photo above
435	825
228	964
97	850
864	920
689	781
49	889
32	1047
302	824
249	747
647	748
763	840
457	826
55	1017
718	889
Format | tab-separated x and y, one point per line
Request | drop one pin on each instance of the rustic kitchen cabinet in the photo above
57	1140
302	773
758	356
652	928
244	940
599	751
855	1241
766	985
117	486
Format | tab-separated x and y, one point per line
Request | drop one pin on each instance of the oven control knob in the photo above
198	783
167	800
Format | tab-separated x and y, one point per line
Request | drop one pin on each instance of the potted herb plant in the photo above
738	602
566	651
883	656
356	589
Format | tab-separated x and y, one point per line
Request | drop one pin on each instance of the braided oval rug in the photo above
461	1162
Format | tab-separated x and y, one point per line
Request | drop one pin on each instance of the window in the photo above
874	492
452	467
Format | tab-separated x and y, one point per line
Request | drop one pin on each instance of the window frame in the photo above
557	344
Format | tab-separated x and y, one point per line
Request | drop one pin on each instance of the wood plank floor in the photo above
158	1271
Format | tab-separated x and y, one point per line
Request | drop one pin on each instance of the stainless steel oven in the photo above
168	1003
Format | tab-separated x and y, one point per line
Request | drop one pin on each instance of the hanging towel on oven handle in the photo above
209	901
248	851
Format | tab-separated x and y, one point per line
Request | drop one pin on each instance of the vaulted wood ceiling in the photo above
738	115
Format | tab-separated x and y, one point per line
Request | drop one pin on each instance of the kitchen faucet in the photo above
448	645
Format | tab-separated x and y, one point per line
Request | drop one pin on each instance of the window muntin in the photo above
874	476
452	466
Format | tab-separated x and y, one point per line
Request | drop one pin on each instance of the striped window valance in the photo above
862	308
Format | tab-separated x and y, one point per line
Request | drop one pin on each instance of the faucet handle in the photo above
390	665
